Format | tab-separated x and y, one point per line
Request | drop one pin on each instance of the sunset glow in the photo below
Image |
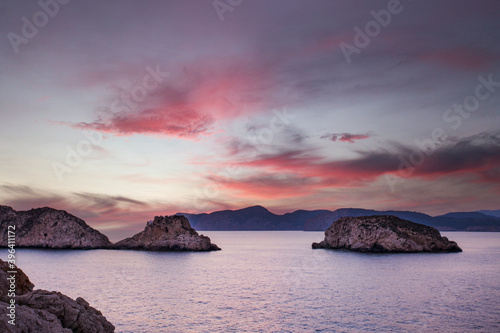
131	111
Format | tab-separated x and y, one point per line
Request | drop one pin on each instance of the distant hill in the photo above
468	221
259	218
465	215
495	213
251	218
323	221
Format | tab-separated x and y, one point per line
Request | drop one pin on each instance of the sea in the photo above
273	281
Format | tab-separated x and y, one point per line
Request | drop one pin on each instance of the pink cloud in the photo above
267	186
301	173
345	137
182	123
190	100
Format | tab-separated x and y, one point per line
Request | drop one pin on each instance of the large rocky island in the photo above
49	228
384	233
42	310
168	233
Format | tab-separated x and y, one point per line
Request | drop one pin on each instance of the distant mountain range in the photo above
251	218
259	218
490	212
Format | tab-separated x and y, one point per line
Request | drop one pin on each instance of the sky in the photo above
117	111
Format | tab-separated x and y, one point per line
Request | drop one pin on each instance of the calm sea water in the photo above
274	282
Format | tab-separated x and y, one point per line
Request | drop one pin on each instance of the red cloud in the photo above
170	122
331	173
345	137
269	186
299	173
188	102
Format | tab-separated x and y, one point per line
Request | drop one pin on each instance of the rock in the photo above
47	311
23	283
77	315
384	233
30	320
49	228
168	233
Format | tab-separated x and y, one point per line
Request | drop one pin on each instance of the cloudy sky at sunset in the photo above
117	111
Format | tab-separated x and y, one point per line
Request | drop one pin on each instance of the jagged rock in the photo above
30	320
23	284
49	228
168	233
384	233
77	315
46	311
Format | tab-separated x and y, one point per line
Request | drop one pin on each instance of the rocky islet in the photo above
168	233
384	233
57	229
49	228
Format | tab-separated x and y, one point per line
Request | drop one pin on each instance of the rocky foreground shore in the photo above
168	233
42	310
384	233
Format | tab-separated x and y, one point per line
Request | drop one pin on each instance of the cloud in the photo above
18	189
24	197
181	123
344	137
268	70
366	167
101	202
267	186
478	154
302	172
252	142
190	100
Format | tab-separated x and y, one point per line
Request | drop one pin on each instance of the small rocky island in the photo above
42	310
384	233
49	228
168	233
57	229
